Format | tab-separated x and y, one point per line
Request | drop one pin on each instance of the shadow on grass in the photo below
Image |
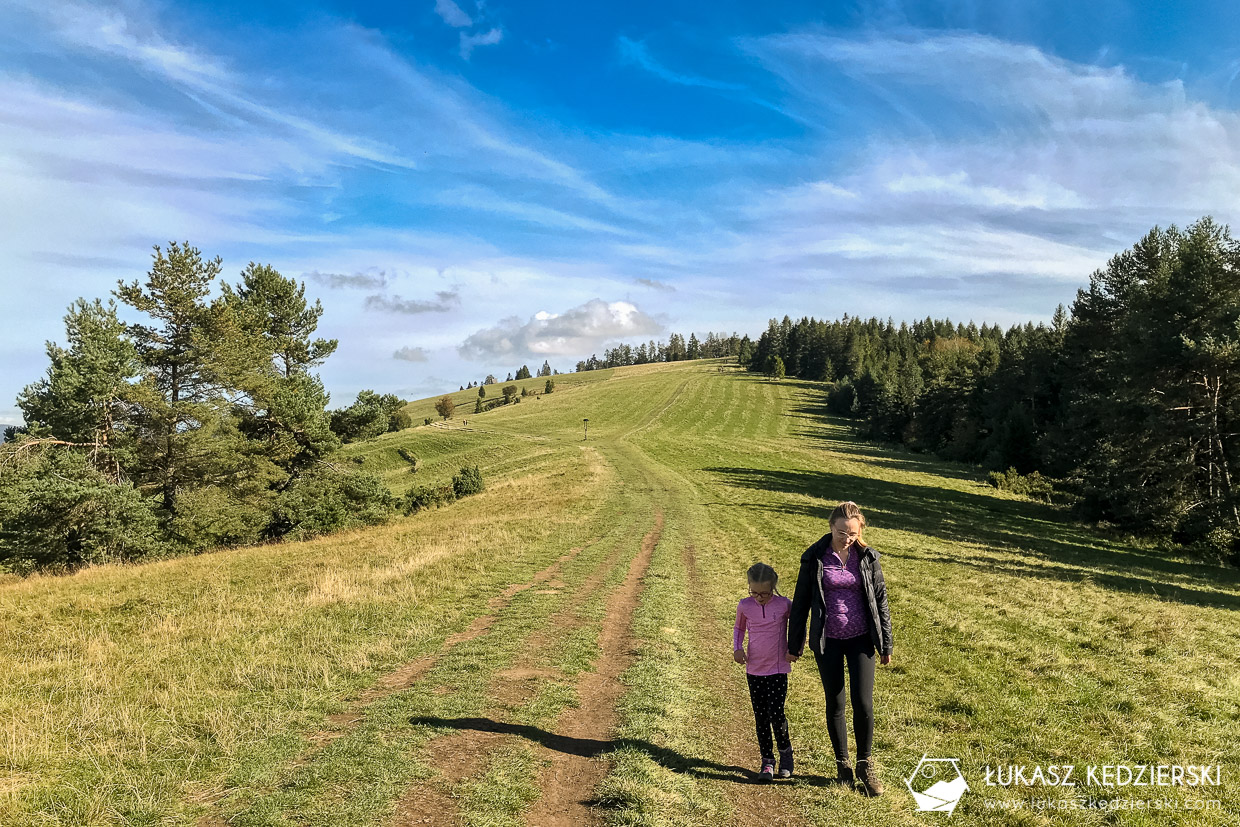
835	434
1038	531
596	747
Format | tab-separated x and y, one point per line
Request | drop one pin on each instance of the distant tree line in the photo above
1130	399
676	349
201	425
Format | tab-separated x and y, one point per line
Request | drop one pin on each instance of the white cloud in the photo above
471	41
411	354
576	331
452	14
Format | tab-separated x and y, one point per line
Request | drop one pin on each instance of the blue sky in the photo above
469	187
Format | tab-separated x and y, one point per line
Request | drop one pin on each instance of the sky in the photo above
471	186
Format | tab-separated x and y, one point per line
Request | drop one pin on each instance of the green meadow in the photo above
557	648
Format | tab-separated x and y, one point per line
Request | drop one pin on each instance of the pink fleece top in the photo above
768	634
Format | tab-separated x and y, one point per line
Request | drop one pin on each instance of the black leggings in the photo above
767	694
858	653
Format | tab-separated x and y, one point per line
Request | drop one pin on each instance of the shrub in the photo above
550	386
468	481
399	421
57	510
327	501
212	516
1034	485
426	421
428	496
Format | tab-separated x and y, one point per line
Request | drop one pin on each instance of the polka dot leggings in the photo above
767	694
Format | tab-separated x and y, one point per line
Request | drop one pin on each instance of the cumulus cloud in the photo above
411	354
444	301
471	41
452	14
577	331
361	281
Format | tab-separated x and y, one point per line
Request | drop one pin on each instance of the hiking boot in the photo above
844	774
767	772
868	776
785	763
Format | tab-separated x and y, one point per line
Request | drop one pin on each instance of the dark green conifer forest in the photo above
1129	399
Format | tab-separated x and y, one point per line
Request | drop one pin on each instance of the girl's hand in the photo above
739	656
793	658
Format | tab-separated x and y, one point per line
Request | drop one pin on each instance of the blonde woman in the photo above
841	591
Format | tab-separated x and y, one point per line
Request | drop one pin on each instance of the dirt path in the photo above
408	674
462	754
573	776
751	803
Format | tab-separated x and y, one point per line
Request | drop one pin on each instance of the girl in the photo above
765	615
840	588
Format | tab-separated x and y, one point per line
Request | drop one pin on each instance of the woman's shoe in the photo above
844	774
868	776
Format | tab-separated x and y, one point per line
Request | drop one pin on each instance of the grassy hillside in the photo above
470	664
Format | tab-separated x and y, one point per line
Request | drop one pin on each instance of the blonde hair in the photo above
848	511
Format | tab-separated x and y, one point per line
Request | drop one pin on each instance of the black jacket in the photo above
808	601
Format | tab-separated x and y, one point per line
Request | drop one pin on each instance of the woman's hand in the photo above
738	655
793	658
885	660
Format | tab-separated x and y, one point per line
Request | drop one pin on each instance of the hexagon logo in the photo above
937	784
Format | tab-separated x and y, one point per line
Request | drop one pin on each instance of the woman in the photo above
840	589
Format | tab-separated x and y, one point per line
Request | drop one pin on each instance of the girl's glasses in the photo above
753	593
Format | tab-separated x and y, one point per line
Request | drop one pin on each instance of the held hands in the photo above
793	658
738	655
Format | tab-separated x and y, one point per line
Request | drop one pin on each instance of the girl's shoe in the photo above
767	772
785	763
869	778
844	774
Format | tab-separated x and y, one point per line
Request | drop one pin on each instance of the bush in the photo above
328	501
468	481
57	510
212	516
550	386
399	421
426	421
1034	485
428	496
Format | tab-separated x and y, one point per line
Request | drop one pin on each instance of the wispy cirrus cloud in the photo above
578	330
635	52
